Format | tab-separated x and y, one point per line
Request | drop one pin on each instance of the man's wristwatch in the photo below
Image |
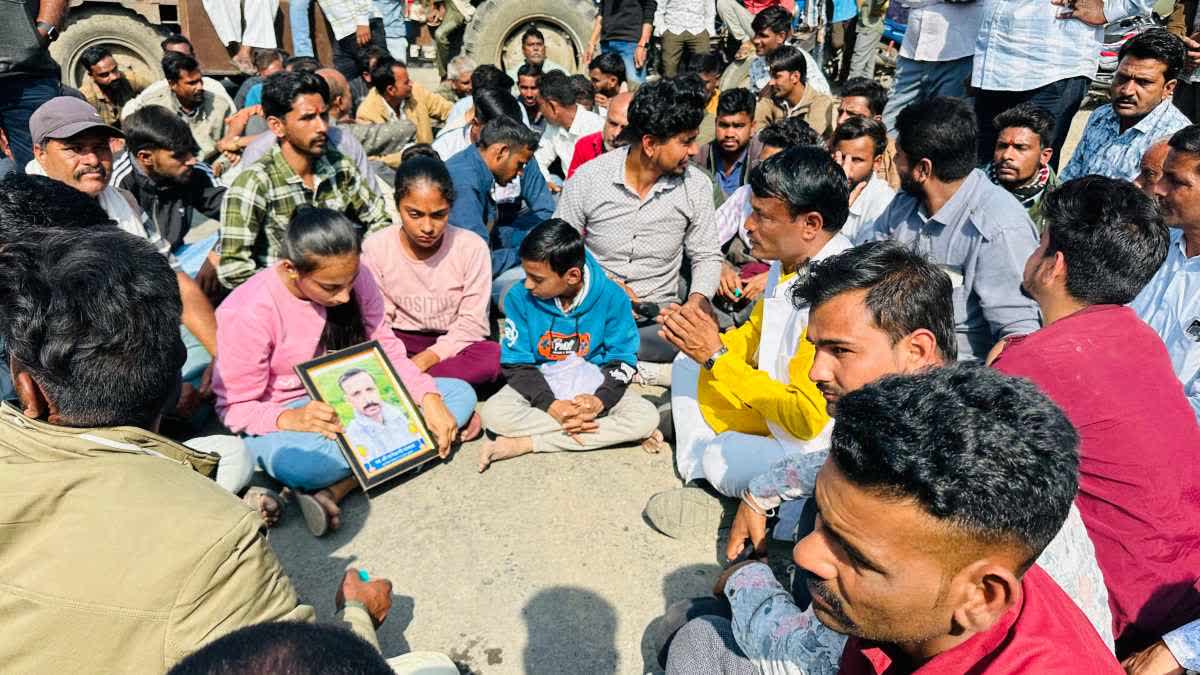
712	360
49	29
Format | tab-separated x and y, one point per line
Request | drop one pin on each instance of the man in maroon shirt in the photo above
1139	487
940	491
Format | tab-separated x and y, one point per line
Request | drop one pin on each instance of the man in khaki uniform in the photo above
790	96
118	554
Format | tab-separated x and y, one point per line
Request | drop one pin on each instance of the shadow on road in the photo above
571	630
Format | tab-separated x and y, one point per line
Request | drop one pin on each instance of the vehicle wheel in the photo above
494	33
133	42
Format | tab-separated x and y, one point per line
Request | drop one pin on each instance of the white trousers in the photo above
729	460
236	465
226	18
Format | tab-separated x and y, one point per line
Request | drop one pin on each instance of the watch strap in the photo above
712	360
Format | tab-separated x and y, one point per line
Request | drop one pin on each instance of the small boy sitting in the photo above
569	350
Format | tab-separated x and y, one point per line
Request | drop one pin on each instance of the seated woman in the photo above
312	302
436	278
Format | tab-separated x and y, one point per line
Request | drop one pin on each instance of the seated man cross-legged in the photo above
568	348
742	400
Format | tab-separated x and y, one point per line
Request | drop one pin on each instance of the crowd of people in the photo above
891	346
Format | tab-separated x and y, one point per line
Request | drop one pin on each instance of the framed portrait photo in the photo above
384	434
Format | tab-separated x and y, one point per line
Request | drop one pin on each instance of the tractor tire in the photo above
133	42
494	32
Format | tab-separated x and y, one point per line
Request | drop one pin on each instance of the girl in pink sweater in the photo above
436	279
314	301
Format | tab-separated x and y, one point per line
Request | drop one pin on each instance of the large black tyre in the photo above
494	33
133	42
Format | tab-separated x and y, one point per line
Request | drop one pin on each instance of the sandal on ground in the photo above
254	499
315	516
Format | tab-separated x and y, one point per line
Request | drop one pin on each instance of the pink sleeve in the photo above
370	302
375	252
471	324
243	370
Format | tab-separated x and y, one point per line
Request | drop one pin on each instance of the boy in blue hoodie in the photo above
569	350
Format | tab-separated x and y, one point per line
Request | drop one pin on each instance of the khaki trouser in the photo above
507	413
675	44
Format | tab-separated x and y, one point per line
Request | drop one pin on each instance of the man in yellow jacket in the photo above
116	554
394	96
743	399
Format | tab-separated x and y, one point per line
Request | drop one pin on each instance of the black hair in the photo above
1028	116
905	290
734	101
710	63
262	58
663	109
774	18
532	31
314	233
174	65
805	179
876	95
280	91
859	127
556	86
788	59
89	57
157	128
1158	44
487	76
92	313
365	55
609	63
509	131
1186	140
285	647
383	74
943	130
986	453
1111	235
556	243
584	91
424	169
787	133
419	150
31	205
493	103
175	39
299	64
531	70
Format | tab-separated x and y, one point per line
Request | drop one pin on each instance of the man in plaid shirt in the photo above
300	170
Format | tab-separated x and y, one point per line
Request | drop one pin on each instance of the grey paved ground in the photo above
540	565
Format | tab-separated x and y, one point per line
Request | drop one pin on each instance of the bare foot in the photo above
268	503
327	502
503	448
473	430
655	443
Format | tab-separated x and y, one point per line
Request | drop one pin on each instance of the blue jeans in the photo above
308	461
19	97
921	80
301	37
625	49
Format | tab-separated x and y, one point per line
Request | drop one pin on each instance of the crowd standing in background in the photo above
902	340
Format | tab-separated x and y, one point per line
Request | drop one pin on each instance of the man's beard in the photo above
833	604
85	170
910	186
118	91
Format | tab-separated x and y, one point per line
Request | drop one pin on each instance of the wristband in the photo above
749	500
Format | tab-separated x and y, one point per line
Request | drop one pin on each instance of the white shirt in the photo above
559	143
210	85
941	32
1170	304
874	198
685	16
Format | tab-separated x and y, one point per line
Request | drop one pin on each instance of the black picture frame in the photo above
370	464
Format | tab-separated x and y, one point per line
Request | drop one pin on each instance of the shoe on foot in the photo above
689	512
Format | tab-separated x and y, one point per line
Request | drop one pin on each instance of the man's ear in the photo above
811	223
988	590
144	156
276	126
1169	88
919	349
34	403
1046	155
877	163
923	171
574	276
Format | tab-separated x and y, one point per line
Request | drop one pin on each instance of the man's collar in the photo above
952	211
322	168
1146	123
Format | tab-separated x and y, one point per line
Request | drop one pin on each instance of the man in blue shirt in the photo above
1170	303
504	152
976	231
1141	112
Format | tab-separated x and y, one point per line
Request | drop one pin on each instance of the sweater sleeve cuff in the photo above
754	575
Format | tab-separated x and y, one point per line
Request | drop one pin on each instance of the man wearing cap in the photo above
71	145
